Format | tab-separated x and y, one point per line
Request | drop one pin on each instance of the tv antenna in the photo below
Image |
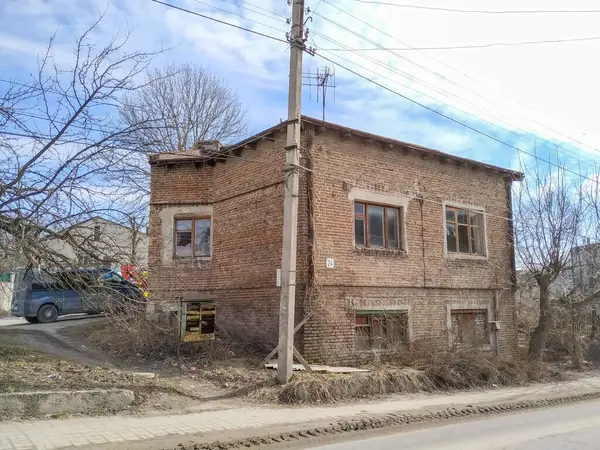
321	81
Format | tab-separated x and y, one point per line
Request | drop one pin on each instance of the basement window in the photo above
192	237
377	226
381	330
465	232
470	327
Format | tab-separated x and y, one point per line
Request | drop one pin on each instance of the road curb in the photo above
374	422
28	404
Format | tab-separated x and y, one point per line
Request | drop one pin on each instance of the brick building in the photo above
398	244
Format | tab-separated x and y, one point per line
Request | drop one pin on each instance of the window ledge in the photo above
191	259
389	252
464	256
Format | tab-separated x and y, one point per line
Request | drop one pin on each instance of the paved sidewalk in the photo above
54	434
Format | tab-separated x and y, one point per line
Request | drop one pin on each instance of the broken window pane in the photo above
392	228
202	229
362	338
451	237
183	243
463	239
375	224
359	232
382	330
477	234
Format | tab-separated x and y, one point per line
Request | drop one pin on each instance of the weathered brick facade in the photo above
244	196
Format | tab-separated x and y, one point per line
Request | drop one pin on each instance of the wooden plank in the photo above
301	359
296	329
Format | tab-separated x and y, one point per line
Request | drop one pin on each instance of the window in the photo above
96	232
465	233
377	226
381	330
470	327
192	237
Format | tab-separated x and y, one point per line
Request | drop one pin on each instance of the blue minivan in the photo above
42	296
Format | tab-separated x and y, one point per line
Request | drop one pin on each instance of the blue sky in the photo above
557	82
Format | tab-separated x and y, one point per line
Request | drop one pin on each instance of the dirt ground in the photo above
61	356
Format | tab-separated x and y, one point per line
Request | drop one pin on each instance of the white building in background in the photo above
104	243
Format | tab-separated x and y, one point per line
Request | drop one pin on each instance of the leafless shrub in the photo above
442	371
61	145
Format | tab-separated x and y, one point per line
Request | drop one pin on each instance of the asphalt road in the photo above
575	427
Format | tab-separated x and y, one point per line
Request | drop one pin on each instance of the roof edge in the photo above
178	158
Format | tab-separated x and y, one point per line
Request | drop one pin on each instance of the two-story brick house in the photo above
397	244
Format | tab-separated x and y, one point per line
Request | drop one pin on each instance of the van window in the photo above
43	281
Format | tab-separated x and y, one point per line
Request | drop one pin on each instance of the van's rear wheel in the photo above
32	319
47	314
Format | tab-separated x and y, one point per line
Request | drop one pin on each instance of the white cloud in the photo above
557	80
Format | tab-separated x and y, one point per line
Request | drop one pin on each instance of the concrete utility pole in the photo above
290	203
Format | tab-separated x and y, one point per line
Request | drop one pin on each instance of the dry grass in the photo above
22	369
442	371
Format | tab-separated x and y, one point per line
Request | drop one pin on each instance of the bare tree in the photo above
60	142
191	105
549	217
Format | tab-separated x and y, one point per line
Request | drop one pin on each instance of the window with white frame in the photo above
465	231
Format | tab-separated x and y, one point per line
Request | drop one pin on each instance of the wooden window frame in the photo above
481	227
473	311
382	316
193	219
365	220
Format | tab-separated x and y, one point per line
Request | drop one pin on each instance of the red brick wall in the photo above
246	194
422	279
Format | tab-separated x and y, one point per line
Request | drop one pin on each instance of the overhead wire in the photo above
223	22
242	16
482	11
570	138
446	116
473	46
442	92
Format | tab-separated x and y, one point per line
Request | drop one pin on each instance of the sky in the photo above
540	98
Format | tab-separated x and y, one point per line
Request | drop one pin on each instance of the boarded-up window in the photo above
192	237
470	327
381	330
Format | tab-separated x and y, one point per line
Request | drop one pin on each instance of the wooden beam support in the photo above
296	329
302	361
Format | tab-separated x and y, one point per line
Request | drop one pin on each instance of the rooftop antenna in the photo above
324	78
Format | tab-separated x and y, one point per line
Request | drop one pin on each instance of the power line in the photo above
223	22
459	72
241	16
474	46
482	11
247	3
452	119
418	81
